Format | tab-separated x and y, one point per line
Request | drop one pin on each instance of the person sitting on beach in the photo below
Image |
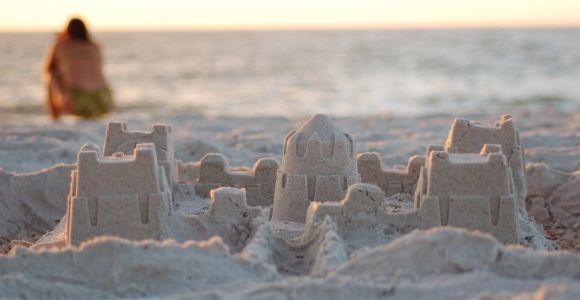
75	80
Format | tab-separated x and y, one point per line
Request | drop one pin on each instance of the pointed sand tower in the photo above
318	165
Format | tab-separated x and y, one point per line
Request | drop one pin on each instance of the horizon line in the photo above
304	27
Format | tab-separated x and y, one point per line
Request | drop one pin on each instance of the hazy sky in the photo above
176	14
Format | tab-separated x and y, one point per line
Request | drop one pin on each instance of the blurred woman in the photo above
75	80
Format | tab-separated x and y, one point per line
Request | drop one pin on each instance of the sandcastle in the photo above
455	185
130	196
129	184
318	165
122	195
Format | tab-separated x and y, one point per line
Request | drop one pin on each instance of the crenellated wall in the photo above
362	211
214	172
391	181
119	139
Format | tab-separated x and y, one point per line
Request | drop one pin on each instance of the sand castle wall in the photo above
119	139
121	195
187	171
362	211
391	181
259	184
360	198
229	216
469	137
474	191
318	165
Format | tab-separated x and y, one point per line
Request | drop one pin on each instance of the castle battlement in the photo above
469	136
360	199
119	140
318	164
439	160
259	183
470	190
121	195
391	181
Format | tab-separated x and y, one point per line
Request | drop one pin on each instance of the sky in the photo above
51	15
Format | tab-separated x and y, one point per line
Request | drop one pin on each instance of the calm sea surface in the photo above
301	72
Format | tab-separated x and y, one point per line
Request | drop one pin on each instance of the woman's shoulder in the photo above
72	44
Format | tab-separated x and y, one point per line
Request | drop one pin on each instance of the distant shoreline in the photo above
306	28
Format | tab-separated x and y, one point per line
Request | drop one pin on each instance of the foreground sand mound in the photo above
32	203
438	263
445	251
111	267
554	201
468	286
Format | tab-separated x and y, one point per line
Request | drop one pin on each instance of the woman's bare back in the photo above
79	65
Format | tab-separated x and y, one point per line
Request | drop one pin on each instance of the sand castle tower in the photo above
121	195
470	190
469	137
318	164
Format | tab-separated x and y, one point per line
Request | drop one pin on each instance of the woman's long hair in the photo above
76	30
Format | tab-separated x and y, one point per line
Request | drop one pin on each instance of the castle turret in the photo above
469	137
120	195
470	190
318	165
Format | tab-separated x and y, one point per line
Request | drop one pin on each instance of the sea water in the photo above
295	73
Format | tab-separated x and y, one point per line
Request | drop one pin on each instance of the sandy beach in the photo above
36	158
290	150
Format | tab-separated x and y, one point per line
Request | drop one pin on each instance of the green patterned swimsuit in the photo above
91	104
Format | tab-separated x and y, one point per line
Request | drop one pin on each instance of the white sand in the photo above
440	263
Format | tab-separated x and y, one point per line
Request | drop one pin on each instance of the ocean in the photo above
295	73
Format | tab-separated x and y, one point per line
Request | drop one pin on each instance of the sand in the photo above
440	263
